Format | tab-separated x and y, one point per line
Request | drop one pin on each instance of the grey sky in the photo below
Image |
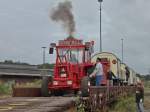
25	27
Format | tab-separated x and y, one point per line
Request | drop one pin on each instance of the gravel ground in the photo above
36	104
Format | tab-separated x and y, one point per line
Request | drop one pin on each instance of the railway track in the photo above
36	104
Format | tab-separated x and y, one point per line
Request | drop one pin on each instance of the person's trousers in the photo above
140	107
98	80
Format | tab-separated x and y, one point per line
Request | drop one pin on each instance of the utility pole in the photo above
100	1
149	71
122	50
43	54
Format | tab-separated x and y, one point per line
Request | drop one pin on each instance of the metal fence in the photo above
101	96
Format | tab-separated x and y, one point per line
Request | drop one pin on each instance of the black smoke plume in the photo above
63	13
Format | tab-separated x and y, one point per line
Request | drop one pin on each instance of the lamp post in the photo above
100	1
43	54
122	49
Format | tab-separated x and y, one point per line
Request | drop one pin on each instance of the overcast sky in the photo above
25	27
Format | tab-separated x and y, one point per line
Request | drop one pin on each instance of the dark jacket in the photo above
139	94
110	75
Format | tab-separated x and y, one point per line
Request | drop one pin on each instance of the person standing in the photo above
110	75
139	97
98	72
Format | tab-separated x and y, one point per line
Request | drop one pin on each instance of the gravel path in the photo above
36	104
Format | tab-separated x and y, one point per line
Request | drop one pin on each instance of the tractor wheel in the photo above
44	87
58	93
84	86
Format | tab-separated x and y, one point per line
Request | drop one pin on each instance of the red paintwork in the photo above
74	71
106	67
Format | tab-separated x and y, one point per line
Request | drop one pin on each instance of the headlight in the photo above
69	82
63	75
89	83
55	82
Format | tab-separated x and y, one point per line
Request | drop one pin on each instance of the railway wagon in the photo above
132	77
137	79
123	73
118	68
114	64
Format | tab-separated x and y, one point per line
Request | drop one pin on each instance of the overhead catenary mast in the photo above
100	1
122	50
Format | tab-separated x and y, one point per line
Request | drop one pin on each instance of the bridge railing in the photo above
46	72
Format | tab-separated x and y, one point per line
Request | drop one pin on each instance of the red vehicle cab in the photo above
73	59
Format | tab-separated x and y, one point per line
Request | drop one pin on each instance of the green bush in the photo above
147	84
5	89
126	104
34	83
80	106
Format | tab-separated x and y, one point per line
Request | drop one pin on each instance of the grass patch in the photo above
126	104
147	84
34	83
5	89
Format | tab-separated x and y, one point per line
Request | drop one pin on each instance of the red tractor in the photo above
73	60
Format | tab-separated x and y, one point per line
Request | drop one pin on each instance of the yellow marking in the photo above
19	104
32	99
3	108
